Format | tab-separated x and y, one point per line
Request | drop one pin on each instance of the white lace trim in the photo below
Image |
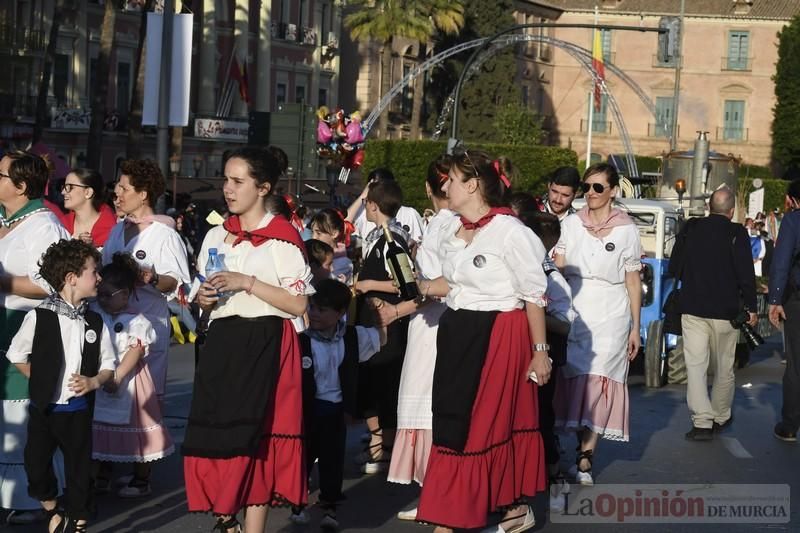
606	433
134	458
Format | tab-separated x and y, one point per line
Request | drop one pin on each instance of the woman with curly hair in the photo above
161	255
27	229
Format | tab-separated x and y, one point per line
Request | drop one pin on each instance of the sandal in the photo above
224	525
584	476
371	452
62	525
79	528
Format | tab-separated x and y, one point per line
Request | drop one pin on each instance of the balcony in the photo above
21	40
661	130
741	64
17	105
733	134
657	63
305	36
599	127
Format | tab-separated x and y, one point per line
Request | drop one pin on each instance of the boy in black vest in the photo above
66	353
331	352
380	378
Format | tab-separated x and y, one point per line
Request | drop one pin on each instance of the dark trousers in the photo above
547	419
791	376
327	434
72	434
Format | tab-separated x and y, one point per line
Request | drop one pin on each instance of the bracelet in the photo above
396	312
249	290
541	347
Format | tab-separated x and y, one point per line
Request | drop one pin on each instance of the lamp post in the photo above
175	168
680	188
198	165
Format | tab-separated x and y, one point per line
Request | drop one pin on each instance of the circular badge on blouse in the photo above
117	327
479	261
140	254
306	362
91	336
610	247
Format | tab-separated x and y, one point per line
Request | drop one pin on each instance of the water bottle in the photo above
214	265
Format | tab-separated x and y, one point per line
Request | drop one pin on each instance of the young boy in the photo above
380	377
331	352
66	353
320	260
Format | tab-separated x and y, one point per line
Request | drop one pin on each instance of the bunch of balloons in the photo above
340	139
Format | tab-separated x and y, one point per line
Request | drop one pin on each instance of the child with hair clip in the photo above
127	424
330	227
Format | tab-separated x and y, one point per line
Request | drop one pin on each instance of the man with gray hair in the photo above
713	262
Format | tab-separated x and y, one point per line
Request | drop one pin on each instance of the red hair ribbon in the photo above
442	177
503	177
296	221
349	228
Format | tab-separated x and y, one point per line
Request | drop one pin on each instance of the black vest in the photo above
348	373
47	355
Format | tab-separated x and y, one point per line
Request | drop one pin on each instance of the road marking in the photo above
735	447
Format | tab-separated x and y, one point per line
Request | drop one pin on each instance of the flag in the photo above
598	66
240	75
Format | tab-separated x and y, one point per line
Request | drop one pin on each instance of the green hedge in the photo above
409	162
774	191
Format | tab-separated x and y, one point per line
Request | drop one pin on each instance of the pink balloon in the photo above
324	133
354	135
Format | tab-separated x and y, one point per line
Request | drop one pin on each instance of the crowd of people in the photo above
525	325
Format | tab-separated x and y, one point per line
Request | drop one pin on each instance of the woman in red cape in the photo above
243	448
88	217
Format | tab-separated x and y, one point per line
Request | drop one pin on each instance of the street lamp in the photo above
175	168
680	188
198	165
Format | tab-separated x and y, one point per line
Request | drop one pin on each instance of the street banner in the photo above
755	204
181	71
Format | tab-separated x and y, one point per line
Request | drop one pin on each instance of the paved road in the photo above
657	453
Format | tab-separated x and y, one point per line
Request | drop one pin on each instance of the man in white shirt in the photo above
561	190
407	217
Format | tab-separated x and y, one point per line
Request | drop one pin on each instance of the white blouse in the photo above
499	270
601	259
73	333
428	264
22	249
275	262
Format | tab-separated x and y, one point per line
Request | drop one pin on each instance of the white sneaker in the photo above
558	489
528	522
410	515
301	518
584	478
375	467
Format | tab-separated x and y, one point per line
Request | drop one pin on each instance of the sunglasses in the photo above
462	152
596	187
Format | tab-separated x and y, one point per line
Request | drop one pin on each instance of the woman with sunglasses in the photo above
27	229
600	255
89	218
491	350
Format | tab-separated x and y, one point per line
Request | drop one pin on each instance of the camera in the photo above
751	336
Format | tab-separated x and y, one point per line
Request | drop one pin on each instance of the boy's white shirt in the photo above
73	335
559	298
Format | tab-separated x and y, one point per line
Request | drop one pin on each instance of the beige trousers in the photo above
708	341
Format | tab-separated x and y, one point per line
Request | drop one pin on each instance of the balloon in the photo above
324	133
354	134
355	160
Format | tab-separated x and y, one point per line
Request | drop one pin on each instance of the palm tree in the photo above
100	89
447	17
382	20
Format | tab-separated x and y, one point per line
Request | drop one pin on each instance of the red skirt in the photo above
503	460
277	475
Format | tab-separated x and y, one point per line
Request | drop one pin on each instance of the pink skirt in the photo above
145	438
595	402
412	448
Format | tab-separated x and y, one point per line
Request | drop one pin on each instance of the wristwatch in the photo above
541	347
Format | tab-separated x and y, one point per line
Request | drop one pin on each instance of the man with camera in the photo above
712	259
784	311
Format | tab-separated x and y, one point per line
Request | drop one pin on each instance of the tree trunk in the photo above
386	84
47	70
94	145
419	88
135	136
175	150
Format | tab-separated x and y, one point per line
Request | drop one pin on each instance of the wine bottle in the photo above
400	267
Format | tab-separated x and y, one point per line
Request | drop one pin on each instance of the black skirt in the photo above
234	386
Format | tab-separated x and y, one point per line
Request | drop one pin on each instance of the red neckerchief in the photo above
278	228
485	219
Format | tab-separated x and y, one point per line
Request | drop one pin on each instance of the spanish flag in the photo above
598	66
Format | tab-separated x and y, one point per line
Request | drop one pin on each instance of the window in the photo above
299	94
599	124
407	102
733	127
280	94
60	78
738	48
665	111
324	23
605	36
525	95
323	97
123	88
285	6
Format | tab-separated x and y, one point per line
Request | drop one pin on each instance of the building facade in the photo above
726	88
285	52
